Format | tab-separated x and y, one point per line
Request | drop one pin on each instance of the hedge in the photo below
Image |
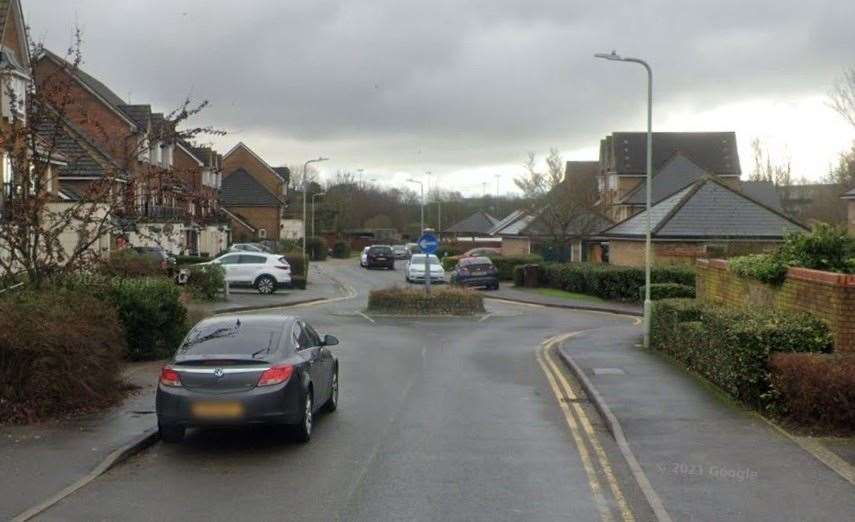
298	263
667	291
191	260
128	263
60	352
414	301
816	389
153	317
767	268
731	347
206	281
612	282
341	250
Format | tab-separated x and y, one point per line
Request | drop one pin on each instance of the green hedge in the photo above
191	260
298	263
414	301
768	268
128	263
612	282
153	317
732	347
341	250
667	291
448	263
206	281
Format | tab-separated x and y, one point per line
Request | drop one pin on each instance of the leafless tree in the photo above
780	174
36	227
842	96
563	206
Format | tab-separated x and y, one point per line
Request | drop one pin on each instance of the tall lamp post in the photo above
305	177
314	196
422	220
648	258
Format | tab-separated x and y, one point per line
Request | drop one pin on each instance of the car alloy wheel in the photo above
265	285
332	403
304	429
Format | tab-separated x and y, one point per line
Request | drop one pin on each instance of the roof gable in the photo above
13	32
242	145
764	192
478	223
708	209
677	173
240	189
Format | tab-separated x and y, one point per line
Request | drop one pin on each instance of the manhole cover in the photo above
608	371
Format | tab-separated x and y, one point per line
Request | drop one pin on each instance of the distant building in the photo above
254	194
478	224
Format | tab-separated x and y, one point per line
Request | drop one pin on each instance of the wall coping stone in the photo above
797	273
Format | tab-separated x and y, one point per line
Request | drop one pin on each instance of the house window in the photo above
262	233
14	95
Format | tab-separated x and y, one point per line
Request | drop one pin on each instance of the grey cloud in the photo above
398	84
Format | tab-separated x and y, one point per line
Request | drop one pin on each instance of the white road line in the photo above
372	321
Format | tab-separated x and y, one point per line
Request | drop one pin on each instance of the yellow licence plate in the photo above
217	410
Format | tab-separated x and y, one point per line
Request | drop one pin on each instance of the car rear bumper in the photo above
421	279
280	404
477	281
387	263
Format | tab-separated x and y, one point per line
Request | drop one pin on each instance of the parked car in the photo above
482	252
400	251
475	271
416	269
264	272
249	247
240	370
363	257
380	256
414	248
167	261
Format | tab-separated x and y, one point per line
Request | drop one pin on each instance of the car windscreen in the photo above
380	251
420	259
237	339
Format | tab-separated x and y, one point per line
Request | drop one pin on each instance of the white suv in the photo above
264	272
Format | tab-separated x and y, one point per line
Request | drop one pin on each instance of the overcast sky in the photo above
467	88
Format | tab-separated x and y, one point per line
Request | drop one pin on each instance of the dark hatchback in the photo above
380	256
240	370
475	271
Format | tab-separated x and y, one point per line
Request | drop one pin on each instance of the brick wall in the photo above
631	253
851	205
242	158
516	246
827	295
259	217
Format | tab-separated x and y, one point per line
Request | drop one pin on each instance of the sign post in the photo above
428	245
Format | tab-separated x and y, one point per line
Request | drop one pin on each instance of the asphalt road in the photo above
439	419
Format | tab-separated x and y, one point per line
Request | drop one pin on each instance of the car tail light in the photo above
285	267
169	377
276	375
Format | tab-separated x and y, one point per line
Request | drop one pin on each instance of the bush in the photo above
519	275
317	249
286	246
767	268
128	263
448	263
153	317
731	348
826	247
816	389
299	264
505	264
298	282
667	291
449	250
207	281
613	282
59	352
341	250
413	301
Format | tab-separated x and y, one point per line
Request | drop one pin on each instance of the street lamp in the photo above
648	258
422	221
305	176
319	194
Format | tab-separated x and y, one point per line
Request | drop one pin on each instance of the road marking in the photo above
626	514
593	481
637	321
372	321
485	318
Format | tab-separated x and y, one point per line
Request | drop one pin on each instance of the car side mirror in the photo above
330	340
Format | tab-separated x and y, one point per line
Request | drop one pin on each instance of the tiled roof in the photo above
581	168
478	223
82	157
707	209
284	173
140	114
764	192
240	189
714	152
850	194
505	221
677	173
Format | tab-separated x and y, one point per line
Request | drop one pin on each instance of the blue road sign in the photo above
428	243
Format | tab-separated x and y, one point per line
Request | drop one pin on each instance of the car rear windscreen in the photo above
231	340
379	251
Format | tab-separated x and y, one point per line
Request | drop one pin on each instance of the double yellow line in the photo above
583	434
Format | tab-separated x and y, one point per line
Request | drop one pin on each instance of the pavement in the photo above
707	457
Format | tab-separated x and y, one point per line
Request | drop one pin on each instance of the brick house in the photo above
143	144
254	195
707	218
849	198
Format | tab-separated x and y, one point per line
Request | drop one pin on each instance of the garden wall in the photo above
828	295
